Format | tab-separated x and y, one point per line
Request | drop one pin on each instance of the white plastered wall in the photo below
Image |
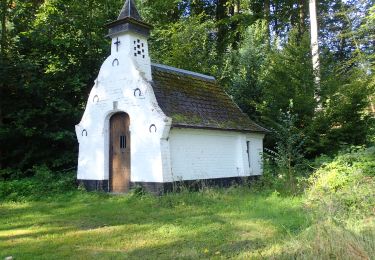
115	91
207	154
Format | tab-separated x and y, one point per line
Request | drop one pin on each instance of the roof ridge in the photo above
182	71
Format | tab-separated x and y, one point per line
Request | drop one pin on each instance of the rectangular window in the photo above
248	153
122	142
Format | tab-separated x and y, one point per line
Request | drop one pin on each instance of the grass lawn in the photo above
235	223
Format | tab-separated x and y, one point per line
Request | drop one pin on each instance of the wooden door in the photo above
119	158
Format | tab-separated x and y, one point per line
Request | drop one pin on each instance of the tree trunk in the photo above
231	10
4	9
372	105
315	47
235	10
237	6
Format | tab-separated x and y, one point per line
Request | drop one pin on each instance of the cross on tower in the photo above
117	43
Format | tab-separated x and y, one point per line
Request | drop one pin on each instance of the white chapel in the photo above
153	125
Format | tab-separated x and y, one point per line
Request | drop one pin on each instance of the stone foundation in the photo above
159	188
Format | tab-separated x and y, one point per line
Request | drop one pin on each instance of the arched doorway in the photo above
119	153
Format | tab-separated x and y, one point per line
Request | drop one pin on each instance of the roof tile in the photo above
196	101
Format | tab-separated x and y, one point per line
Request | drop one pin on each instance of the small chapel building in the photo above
153	125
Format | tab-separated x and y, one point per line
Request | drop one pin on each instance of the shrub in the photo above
44	183
286	164
345	187
284	180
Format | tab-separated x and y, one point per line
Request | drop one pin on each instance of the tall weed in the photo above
331	240
345	187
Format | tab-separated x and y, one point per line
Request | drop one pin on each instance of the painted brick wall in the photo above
114	91
204	154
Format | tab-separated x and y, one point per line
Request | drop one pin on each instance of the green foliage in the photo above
51	52
289	141
161	12
337	219
138	191
50	66
329	240
44	184
241	73
287	75
341	198
343	118
188	37
344	187
285	164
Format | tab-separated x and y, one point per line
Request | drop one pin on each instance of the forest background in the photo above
259	51
316	198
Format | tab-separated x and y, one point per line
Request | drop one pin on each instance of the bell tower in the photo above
129	34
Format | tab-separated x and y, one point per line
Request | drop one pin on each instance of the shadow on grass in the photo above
179	225
35	234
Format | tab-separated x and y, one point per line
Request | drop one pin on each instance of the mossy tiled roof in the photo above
196	101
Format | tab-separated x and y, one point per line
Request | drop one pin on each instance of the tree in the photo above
244	73
186	44
289	146
55	57
315	46
287	75
221	16
258	50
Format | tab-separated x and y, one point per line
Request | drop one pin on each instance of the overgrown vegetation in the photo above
44	183
259	51
316	197
344	188
341	198
333	218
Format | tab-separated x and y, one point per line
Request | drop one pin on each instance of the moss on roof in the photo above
197	101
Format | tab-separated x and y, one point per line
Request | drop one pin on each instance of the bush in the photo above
345	187
292	181
285	166
44	183
341	198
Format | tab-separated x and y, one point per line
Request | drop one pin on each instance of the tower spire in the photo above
129	10
129	20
